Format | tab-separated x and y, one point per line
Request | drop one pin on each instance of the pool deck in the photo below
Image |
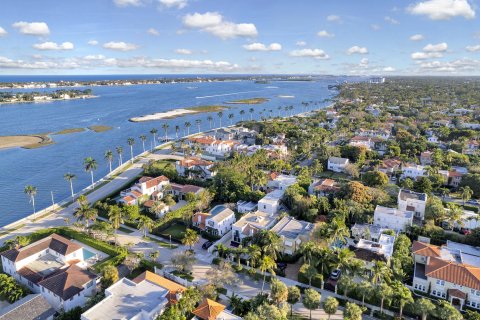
99	254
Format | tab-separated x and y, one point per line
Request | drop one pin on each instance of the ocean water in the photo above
44	167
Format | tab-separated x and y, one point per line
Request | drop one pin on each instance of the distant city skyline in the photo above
374	37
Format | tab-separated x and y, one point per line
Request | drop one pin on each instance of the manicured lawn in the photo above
124	230
177	231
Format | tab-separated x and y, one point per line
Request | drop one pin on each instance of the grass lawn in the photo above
162	243
125	230
183	275
177	231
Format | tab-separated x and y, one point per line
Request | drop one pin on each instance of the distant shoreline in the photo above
180	112
48	100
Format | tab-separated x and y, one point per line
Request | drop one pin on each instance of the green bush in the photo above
216	261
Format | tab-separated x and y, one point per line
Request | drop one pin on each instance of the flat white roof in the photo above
273	196
394	212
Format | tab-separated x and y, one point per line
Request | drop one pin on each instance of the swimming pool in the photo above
217	209
87	254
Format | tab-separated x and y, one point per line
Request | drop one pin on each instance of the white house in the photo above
337	164
271	203
145	187
220	220
55	267
372	251
292	233
246	206
252	223
195	168
412	201
282	182
450	272
392	218
143	298
413	171
31	307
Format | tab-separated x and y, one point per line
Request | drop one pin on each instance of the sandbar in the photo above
177	113
26	141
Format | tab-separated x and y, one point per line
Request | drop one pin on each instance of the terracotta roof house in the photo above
55	267
323	187
143	298
211	310
194	167
144	188
181	190
451	272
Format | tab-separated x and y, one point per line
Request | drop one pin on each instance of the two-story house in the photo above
336	164
271	203
412	201
217	222
392	218
195	168
292	233
252	223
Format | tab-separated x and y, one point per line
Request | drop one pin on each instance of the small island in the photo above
100	128
249	101
172	114
25	141
72	130
29	97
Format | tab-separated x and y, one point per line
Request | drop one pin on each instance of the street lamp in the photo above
170	236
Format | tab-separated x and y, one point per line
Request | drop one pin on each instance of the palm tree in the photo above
365	289
154	255
254	253
198	122
109	157
466	193
424	307
230	117
90	165
146	224
177	129
115	216
210	119
69	177
143	138
187	126
267	264
220	116
165	127
380	272
154	133
131	142
191	237
242	112
31	192
84	211
251	110
383	291
119	151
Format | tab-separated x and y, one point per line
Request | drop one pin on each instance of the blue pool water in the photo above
217	209
87	254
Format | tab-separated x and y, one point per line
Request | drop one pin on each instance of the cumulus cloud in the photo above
3	32
459	66
214	23
153	32
301	43
417	37
325	34
391	20
179	4
120	46
183	51
475	48
262	47
333	18
357	50
375	27
53	46
127	3
311	53
93	42
439	47
32	28
426	55
388	69
443	9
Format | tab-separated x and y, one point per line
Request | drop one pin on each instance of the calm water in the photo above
45	167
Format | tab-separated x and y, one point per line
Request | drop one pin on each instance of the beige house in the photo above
293	233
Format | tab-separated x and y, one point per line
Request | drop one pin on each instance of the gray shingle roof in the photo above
32	307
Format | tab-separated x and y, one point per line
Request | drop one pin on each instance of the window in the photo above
441	282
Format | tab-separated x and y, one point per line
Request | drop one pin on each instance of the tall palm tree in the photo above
143	138
466	193
242	112
210	119
267	264
187	126
191	237
90	165
109	157
198	122
146	224
230	117
131	142
154	133
220	116
31	192
84	211
165	127
177	129
115	216
380	273
251	110
70	177
119	151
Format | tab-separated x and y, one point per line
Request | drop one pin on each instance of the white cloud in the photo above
120	46
32	28
375	27
391	20
3	32
179	4
53	46
126	3
93	42
417	37
389	69
363	63
475	48
261	47
425	55
312	53
461	66
443	9
439	47
301	43
325	34
153	32
214	23
183	51
357	49
333	18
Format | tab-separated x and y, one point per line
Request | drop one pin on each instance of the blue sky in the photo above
244	36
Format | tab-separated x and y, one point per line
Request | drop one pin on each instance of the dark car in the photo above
335	275
465	231
207	245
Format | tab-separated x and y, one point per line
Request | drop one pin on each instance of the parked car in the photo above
465	231
335	275
473	201
207	245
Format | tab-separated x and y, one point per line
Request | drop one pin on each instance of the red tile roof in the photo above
425	249
208	310
458	273
173	287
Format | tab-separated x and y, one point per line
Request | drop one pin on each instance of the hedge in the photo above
316	280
